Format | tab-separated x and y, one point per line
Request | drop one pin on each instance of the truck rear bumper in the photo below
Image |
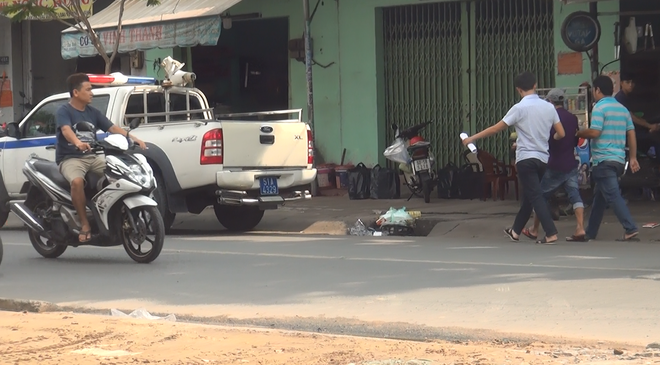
233	197
249	180
242	187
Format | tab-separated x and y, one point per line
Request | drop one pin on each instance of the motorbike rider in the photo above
70	154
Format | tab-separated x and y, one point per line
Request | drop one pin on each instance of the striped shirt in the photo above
613	121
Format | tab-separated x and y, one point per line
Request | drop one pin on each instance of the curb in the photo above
328	326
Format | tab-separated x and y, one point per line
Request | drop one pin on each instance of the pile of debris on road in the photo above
394	222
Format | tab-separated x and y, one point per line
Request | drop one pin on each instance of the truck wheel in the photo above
238	219
3	217
160	196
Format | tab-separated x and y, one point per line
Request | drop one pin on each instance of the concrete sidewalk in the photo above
441	218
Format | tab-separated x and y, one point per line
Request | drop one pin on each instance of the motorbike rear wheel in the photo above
426	186
48	249
148	222
414	188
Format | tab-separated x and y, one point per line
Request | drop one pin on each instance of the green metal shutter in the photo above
454	63
423	72
511	36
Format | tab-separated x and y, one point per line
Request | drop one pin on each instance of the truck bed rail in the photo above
260	115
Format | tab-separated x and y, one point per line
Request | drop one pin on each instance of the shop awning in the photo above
172	23
579	1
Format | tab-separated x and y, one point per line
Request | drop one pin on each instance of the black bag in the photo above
359	182
447	184
385	183
470	181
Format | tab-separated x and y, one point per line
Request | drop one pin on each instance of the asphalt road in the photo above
405	287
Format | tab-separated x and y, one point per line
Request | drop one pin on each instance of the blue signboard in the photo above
581	31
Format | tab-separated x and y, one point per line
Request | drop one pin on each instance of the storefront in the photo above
168	25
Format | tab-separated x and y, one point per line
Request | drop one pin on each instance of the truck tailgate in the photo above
269	144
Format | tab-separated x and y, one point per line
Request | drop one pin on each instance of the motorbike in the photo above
119	204
416	160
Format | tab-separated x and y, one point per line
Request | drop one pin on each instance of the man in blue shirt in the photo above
70	153
611	125
533	119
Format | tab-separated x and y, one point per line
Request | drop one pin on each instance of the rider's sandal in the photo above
87	234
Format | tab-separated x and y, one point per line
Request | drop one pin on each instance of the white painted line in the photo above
470	248
586	257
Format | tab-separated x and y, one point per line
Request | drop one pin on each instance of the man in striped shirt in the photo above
611	124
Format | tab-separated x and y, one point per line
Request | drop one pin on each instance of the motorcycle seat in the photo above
52	171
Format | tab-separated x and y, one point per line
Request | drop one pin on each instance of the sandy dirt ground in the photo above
74	339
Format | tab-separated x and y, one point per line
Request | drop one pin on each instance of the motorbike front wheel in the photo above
140	227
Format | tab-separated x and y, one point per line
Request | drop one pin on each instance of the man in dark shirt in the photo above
562	167
648	135
70	151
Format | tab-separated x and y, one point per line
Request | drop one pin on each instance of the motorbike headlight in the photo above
138	175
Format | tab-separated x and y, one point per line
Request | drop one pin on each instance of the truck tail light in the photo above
310	147
212	148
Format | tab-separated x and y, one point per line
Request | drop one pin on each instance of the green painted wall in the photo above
348	113
605	45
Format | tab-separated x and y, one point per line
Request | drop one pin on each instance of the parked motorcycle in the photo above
416	160
119	207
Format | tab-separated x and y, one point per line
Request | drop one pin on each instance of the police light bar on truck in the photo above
119	79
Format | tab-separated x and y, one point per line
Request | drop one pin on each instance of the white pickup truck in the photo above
241	164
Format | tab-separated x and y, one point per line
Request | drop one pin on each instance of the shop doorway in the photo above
248	70
454	63
644	64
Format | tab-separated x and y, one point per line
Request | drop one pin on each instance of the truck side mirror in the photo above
134	123
13	130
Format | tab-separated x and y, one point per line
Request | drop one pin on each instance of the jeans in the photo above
553	180
530	173
606	193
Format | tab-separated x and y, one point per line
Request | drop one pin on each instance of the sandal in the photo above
545	241
632	238
528	234
87	234
580	238
509	233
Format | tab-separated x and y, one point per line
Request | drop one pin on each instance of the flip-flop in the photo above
87	234
632	238
545	241
529	235
574	238
509	233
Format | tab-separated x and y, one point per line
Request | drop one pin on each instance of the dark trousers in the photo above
530	173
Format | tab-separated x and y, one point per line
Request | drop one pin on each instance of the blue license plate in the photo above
268	186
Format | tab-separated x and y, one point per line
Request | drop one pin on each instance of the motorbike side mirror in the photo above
13	130
134	123
85	127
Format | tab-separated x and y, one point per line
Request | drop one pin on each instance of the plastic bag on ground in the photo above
397	151
142	314
395	217
359	229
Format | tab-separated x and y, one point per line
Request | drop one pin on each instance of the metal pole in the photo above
593	9
310	84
